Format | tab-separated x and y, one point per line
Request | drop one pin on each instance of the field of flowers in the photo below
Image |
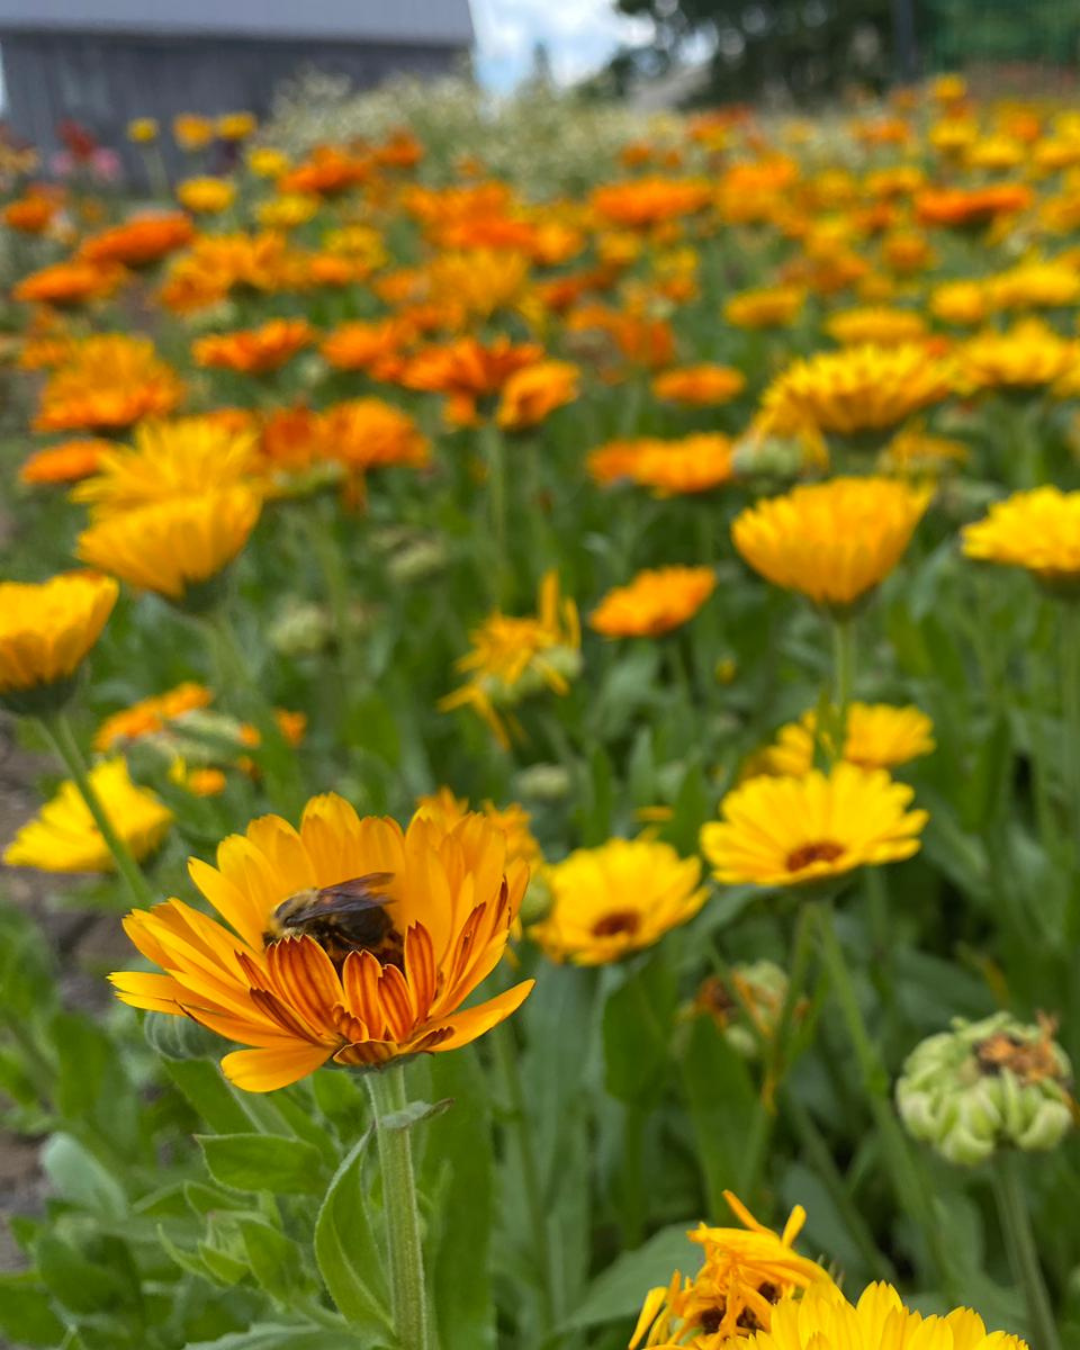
573	694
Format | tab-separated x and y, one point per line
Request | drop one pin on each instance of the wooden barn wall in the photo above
105	82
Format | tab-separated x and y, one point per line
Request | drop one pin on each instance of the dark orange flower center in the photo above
618	922
825	850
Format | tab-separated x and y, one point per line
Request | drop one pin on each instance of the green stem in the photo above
843	646
495	454
58	733
776	1054
1070	700
910	1185
633	1175
1024	1256
402	1215
506	1056
234	677
320	535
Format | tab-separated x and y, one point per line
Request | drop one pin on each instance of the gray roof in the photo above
428	21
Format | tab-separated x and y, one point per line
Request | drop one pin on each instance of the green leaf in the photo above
638	1021
100	1279
179	1037
413	1113
461	1157
275	1260
620	1291
205	1088
79	1177
346	1249
722	1102
25	1315
264	1162
270	1336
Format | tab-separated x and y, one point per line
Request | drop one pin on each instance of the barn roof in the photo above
435	22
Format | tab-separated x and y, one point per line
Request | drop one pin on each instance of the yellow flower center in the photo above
825	850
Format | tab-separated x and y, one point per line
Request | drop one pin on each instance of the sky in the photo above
580	36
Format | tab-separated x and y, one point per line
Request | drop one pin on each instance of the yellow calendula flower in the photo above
746	1274
206	196
877	736
824	1320
142	130
867	388
776	307
962	303
288	211
875	325
236	126
265	161
1037	530
514	657
832	542
300	993
655	602
914	452
619	898
1035	285
785	831
1029	356
174	546
64	838
192	132
178	458
46	629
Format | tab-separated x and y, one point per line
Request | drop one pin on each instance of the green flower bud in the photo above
544	783
985	1085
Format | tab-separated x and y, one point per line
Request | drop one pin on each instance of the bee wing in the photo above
355	895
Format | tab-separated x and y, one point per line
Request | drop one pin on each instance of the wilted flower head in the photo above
514	657
986	1085
746	1274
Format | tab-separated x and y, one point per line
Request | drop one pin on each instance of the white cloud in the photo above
580	35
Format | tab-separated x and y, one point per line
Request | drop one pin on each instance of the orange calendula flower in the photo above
971	208
46	629
372	347
151	715
786	831
368	433
697	463
176	545
65	463
513	820
139	242
745	1273
68	284
644	202
264	974
31	214
514	657
859	389
620	898
531	394
655	602
468	370
111	382
703	385
255	351
832	542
